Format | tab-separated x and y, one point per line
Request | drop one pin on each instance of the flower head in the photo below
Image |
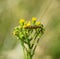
28	24
34	19
21	21
38	23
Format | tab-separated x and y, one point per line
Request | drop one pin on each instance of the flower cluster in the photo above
29	33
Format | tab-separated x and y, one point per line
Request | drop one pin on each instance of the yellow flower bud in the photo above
38	23
34	19
21	21
28	24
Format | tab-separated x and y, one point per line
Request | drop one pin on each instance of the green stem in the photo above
27	54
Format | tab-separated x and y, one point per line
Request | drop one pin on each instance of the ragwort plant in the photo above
29	34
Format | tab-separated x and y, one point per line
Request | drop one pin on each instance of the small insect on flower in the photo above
21	21
34	19
38	23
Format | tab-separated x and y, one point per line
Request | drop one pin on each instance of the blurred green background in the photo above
47	11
